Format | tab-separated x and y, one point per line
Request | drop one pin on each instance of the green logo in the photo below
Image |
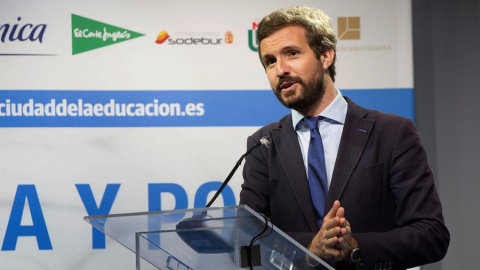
252	37
252	40
89	34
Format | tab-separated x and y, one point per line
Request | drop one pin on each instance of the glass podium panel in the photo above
224	238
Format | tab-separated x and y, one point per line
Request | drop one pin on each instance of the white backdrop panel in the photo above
51	161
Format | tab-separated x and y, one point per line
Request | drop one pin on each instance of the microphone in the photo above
265	141
192	230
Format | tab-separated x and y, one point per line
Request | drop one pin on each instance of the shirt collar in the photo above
335	112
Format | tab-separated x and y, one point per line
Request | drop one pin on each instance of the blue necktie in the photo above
317	173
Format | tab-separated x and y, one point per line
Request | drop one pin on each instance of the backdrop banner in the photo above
123	106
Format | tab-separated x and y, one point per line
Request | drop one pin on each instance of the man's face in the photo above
295	74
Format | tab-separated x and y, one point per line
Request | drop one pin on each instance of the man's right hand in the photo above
331	235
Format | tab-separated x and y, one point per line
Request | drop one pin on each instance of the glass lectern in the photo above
227	238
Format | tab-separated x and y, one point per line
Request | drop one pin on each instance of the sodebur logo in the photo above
162	37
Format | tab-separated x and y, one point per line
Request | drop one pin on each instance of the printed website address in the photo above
79	108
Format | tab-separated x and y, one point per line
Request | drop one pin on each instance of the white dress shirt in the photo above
331	128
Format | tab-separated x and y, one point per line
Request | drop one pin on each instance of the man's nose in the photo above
282	68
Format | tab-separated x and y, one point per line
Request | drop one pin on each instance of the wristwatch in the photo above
356	258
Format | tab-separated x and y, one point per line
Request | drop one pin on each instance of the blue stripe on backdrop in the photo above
72	108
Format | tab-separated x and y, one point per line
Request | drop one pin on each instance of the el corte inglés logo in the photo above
88	34
348	28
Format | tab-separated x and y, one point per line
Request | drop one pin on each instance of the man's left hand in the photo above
346	242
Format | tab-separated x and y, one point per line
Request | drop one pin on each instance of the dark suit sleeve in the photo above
420	236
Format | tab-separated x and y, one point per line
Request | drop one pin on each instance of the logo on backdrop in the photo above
349	36
88	34
348	28
252	37
229	37
195	38
162	37
12	34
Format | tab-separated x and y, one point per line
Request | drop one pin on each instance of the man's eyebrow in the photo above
267	56
283	50
290	47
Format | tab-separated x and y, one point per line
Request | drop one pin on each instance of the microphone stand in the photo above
224	184
191	230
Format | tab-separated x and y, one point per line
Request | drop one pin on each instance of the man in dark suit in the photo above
380	208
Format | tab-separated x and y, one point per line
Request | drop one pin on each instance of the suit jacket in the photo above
381	177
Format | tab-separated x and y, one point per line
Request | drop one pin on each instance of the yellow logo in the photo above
348	28
162	36
229	37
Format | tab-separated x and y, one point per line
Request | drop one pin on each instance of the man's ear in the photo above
327	57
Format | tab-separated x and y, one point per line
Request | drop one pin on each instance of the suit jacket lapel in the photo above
356	132
286	144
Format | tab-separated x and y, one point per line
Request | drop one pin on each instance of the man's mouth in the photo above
287	86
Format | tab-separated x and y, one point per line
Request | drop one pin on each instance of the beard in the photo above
310	93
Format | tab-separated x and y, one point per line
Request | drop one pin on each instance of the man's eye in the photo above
292	53
269	62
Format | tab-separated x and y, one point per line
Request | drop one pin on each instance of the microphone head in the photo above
265	141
